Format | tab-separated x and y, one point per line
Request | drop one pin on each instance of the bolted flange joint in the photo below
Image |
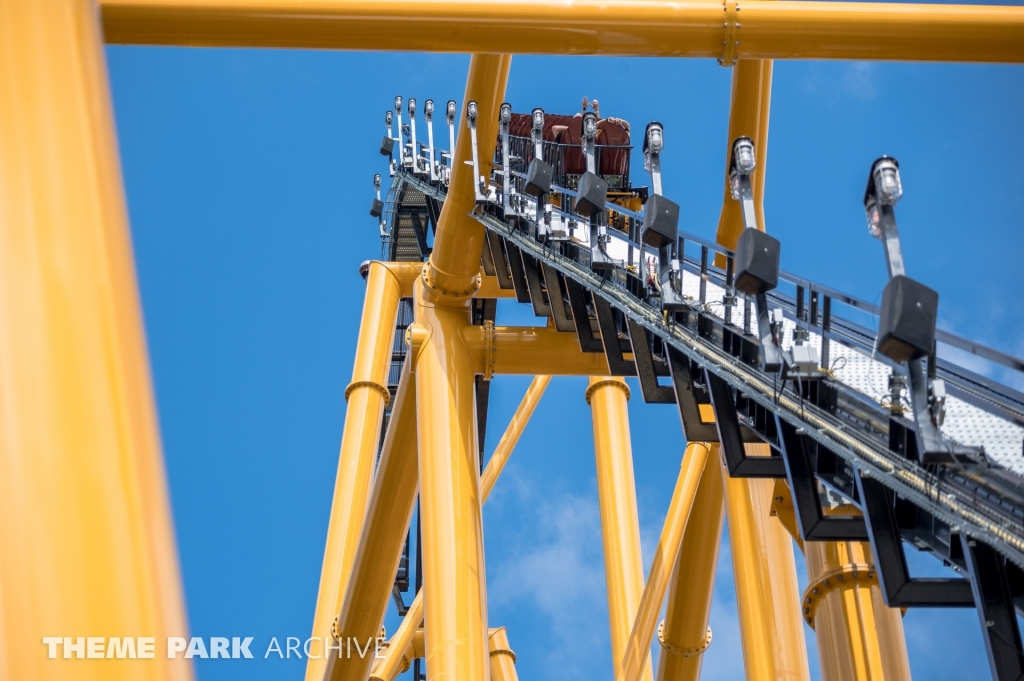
600	384
449	287
843	577
683	651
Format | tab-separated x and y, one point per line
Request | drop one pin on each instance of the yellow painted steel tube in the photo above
454	582
684	634
382	538
764	571
396	657
749	107
367	396
788	29
503	660
620	526
408	272
391	665
87	544
858	636
395	661
388	516
530	350
509	439
454	263
638	648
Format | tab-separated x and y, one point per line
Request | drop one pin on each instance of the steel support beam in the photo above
695	464
620	526
383	535
408	272
766	590
509	439
749	108
391	665
450	501
367	395
996	611
684	634
87	538
503	659
529	350
454	266
858	636
787	29
394	661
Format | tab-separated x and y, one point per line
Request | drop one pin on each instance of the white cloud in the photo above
560	573
836	82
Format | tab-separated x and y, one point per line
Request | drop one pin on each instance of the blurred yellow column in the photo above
764	570
367	395
684	635
87	545
620	527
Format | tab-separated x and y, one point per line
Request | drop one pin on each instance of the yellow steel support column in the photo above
454	266
391	665
620	527
695	463
749	108
858	636
454	586
766	590
684	635
454	582
367	395
503	660
86	536
387	520
383	535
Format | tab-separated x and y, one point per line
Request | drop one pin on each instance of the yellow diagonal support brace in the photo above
86	540
684	634
634	659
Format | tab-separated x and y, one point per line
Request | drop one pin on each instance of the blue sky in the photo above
249	177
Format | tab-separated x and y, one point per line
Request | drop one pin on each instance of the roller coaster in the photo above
933	460
809	416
